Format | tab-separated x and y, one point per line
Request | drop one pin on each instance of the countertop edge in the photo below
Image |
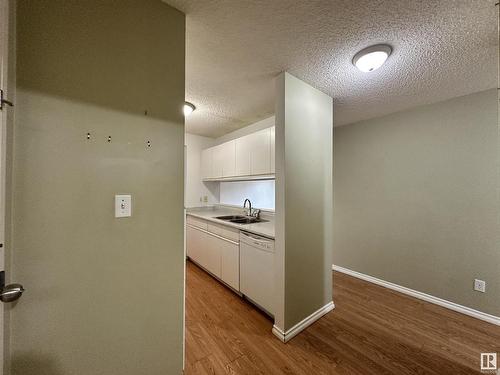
245	228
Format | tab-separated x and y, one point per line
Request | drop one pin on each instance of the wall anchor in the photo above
4	101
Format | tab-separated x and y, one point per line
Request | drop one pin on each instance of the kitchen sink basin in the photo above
240	219
231	217
247	220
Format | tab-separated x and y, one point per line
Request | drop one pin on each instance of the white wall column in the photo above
304	205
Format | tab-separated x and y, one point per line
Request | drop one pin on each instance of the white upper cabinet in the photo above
243	156
206	163
228	158
217	161
251	155
260	152
222	160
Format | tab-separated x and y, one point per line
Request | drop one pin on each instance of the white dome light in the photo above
372	58
188	109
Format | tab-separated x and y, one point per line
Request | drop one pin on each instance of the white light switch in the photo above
123	205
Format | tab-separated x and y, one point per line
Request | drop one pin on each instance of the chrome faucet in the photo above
249	212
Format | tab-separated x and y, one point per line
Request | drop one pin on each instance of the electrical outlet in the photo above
479	285
205	199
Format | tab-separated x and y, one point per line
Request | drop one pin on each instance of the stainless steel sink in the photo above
240	219
230	217
247	220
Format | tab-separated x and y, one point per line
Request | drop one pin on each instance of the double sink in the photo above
240	219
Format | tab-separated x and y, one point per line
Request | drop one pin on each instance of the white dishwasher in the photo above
257	270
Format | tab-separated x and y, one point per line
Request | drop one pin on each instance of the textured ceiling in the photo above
235	49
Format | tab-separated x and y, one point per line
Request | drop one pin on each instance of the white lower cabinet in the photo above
194	242
210	255
203	249
216	250
230	264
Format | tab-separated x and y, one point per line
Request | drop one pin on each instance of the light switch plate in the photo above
123	205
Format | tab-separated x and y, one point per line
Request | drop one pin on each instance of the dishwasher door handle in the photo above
255	237
260	243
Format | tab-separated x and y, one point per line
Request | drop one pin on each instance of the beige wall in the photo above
104	295
415	199
304	141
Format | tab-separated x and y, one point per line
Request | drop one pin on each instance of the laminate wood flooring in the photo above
373	330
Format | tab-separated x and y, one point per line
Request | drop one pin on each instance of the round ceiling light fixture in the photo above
372	58
188	108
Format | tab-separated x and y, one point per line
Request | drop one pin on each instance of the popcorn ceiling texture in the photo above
235	49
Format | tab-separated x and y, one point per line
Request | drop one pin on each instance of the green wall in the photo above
104	295
415	199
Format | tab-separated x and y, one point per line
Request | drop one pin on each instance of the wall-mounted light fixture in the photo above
188	108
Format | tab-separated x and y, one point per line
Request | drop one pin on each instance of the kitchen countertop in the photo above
265	229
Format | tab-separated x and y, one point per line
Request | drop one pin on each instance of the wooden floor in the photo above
372	330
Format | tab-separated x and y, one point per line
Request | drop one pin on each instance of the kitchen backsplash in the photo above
261	193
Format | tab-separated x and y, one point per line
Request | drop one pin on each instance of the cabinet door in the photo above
243	156
273	150
230	263
204	249
258	288
206	163
211	254
217	161
228	159
260	152
194	243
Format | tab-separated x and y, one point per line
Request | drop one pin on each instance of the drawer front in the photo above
195	222
223	231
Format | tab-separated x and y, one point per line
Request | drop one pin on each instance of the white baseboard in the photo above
423	296
299	327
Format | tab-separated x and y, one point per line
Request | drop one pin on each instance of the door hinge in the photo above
4	101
